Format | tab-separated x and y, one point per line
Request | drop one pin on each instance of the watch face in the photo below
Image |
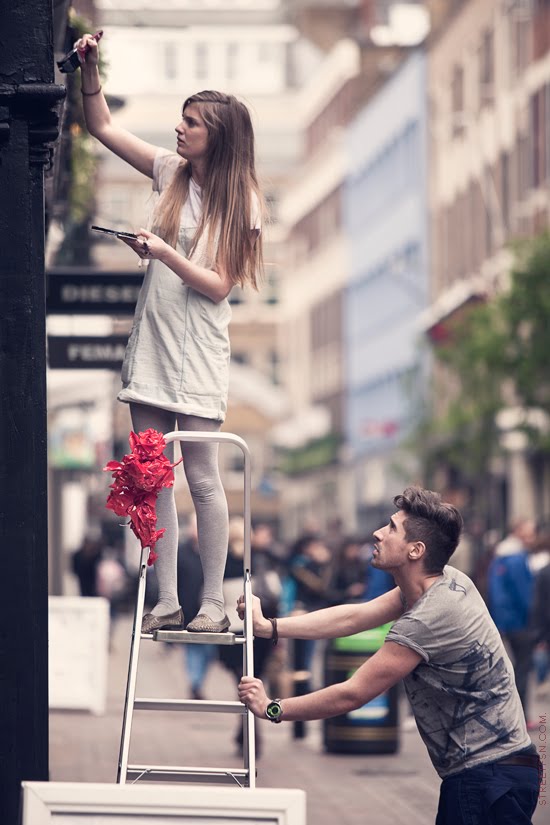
274	710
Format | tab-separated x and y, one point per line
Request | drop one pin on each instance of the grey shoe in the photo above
204	624
171	621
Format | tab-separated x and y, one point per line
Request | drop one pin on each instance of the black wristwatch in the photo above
274	711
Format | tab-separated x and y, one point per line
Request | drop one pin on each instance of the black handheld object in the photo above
71	62
116	232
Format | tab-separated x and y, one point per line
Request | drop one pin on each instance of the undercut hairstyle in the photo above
432	521
230	195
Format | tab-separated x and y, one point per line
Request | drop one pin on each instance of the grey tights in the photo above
200	463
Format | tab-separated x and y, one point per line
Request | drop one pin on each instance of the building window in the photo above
231	55
521	34
536	176
486	69
541	29
271	205
540	134
170	61
201	61
524	172
270	290
488	198
274	366
236	296
457	101
267	52
505	190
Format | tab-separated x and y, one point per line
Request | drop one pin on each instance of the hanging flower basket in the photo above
138	479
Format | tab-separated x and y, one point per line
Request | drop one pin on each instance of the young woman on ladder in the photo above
206	239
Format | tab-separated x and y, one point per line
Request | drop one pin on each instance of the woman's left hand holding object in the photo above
147	245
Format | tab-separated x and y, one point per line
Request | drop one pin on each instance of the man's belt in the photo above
526	760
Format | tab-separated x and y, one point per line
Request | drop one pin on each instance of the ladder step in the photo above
186	637
168	773
197	705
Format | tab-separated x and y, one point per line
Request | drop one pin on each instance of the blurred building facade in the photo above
385	215
489	91
311	340
356	222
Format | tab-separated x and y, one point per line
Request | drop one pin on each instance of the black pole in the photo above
29	101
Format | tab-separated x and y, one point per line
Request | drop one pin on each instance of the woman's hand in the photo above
147	245
88	50
253	695
261	626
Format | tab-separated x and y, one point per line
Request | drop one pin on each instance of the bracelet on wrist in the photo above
90	94
275	632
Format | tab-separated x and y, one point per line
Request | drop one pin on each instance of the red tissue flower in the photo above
138	479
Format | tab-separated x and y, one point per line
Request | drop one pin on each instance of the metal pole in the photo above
28	123
132	672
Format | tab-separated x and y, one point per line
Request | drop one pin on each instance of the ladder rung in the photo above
167	773
186	637
197	705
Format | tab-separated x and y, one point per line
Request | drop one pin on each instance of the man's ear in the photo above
417	550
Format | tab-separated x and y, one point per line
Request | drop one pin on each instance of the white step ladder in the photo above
245	776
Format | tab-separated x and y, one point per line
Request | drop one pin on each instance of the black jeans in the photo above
490	794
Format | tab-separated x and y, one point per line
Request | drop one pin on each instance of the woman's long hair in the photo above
228	192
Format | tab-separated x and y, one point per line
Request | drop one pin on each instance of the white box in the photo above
78	653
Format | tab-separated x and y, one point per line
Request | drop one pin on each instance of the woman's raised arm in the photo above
138	153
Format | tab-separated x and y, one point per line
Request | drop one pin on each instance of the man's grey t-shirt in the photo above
463	694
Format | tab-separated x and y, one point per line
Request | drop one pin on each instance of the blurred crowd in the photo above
323	568
100	569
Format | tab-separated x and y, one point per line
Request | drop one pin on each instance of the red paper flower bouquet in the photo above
138	479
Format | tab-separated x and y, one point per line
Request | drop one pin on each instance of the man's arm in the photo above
379	673
330	622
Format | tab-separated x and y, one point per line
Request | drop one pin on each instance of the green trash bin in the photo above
374	727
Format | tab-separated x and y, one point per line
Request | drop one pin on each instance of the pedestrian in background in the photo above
266	567
349	571
333	534
446	648
510	594
206	240
267	583
112	581
540	617
309	568
85	561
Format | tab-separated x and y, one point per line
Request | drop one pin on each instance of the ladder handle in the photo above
226	438
199	435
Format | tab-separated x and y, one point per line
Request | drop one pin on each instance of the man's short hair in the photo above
432	521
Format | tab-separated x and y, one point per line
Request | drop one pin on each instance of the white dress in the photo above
178	352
